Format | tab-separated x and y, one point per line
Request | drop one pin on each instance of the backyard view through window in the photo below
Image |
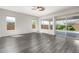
10	23
34	24
68	27
60	25
46	24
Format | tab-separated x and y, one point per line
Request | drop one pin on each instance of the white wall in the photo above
23	23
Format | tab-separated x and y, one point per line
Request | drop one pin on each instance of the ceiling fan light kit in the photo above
38	8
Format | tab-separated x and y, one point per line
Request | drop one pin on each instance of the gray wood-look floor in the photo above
38	43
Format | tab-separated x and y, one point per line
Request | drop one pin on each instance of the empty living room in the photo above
39	29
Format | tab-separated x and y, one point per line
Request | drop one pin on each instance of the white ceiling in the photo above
28	9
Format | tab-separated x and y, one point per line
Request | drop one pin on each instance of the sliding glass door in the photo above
73	27
68	27
61	27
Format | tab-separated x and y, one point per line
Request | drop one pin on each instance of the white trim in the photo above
67	31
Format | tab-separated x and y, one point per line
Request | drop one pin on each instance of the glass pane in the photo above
68	27
73	28
61	28
73	17
45	24
60	25
34	24
10	23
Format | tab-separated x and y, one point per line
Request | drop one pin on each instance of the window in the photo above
73	25
34	24
45	24
60	25
10	23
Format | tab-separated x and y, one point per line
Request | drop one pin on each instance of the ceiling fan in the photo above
38	8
